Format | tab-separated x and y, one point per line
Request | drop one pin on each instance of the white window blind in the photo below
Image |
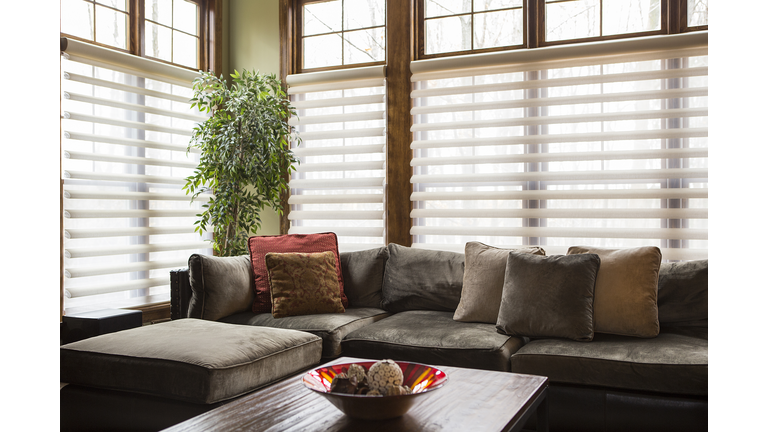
601	144
339	184
126	123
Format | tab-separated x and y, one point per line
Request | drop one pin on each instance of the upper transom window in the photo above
463	25
168	30
343	32
698	13
172	31
102	21
580	19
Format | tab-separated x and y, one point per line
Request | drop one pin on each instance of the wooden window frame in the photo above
209	23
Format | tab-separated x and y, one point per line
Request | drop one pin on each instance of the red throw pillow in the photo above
259	246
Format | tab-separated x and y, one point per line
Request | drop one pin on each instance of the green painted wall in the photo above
252	41
254	35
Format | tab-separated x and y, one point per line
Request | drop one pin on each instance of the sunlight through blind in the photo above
126	123
601	144
339	184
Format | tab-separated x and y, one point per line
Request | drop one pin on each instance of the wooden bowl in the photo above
420	378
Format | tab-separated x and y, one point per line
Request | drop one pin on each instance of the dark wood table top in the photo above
471	400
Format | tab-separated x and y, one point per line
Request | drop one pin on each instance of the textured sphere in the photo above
395	390
384	373
356	371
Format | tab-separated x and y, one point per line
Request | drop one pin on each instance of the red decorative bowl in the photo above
420	378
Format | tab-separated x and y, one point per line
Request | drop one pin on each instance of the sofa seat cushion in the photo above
330	327
191	360
674	362
433	337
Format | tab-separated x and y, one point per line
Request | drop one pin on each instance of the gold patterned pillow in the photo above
303	283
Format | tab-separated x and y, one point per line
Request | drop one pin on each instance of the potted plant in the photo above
245	159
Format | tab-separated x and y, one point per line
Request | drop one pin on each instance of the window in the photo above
697	13
126	123
597	144
175	31
582	19
105	22
172	31
550	122
339	184
342	32
464	25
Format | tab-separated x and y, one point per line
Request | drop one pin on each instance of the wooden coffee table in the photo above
472	399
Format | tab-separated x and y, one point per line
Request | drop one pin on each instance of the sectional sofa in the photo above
402	305
645	370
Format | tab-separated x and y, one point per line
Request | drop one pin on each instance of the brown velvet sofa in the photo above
402	303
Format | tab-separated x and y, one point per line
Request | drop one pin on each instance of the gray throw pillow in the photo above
684	292
484	269
419	279
549	296
221	286
363	273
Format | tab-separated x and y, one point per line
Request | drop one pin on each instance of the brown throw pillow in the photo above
303	283
548	296
484	268
626	291
258	246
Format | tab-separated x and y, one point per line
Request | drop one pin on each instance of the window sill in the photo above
154	308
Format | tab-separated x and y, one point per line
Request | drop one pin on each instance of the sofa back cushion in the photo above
683	292
363	273
419	279
221	286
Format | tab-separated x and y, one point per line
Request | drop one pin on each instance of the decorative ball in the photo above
357	371
395	390
384	373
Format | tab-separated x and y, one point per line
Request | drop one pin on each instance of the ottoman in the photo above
188	361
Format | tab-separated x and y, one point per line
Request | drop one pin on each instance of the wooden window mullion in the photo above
137	28
533	23
399	154
676	16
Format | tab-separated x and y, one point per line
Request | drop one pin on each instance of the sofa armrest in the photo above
181	293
